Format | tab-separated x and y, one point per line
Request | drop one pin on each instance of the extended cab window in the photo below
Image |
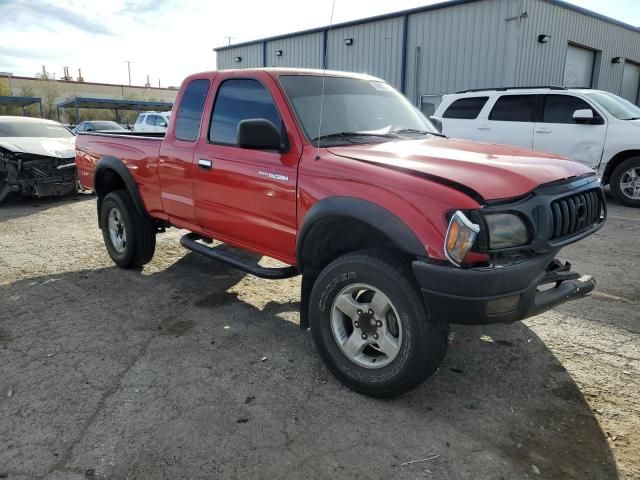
465	108
560	108
190	112
237	100
514	108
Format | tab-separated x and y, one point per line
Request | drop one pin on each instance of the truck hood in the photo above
491	171
43	146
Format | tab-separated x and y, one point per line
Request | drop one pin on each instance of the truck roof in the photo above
277	71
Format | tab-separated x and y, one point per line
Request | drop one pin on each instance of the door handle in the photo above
484	127
543	130
205	164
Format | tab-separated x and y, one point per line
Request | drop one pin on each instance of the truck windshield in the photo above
353	110
617	106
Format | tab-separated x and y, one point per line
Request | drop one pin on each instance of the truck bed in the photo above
139	151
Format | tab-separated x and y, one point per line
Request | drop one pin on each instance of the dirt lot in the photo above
189	369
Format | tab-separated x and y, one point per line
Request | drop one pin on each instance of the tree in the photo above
4	92
49	90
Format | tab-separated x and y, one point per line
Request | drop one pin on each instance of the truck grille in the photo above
575	213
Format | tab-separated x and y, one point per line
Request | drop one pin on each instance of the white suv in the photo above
152	122
594	127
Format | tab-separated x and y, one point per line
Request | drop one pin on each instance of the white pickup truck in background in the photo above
594	127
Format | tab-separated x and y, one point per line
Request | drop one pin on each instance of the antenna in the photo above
324	71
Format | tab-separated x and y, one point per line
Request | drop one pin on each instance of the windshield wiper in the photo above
352	134
415	130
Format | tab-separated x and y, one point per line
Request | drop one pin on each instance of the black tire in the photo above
140	231
617	177
424	340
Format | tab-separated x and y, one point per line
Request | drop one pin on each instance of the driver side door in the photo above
246	197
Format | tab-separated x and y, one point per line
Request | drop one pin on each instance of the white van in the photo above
594	127
152	122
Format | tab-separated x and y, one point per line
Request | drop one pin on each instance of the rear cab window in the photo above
189	114
465	108
514	108
240	99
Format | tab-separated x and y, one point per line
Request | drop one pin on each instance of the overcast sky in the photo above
168	39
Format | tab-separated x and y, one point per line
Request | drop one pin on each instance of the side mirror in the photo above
583	116
259	133
163	124
88	128
436	122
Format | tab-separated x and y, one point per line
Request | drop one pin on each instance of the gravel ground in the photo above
189	369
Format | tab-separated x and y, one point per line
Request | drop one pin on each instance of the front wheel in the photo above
129	236
625	182
370	326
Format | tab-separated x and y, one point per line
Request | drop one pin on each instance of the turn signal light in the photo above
461	234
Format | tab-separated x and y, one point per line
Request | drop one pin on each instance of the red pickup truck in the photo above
396	230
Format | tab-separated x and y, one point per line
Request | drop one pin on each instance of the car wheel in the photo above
625	182
369	323
130	237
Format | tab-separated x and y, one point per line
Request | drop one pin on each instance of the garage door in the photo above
631	82
578	69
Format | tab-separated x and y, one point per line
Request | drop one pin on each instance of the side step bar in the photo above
190	241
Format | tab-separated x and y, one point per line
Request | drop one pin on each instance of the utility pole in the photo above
129	62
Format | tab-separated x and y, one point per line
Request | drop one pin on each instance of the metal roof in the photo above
112	104
435	6
19	101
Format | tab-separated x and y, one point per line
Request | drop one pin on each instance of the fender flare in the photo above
112	163
365	211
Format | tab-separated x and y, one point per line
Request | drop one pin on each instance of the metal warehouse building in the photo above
462	44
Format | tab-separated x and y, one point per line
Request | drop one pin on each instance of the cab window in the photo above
237	100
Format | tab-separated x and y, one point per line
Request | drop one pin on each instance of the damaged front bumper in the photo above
38	176
499	294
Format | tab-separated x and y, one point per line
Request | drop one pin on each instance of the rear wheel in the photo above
130	237
370	326
625	182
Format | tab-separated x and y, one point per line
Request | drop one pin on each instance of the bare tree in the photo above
49	90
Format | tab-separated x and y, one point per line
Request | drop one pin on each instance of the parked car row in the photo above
594	127
37	156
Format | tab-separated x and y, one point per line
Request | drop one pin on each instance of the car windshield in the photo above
33	129
106	126
353	110
617	106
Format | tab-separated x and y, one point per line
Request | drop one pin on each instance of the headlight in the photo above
506	230
461	234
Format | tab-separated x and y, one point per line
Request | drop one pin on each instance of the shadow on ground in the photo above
16	206
171	375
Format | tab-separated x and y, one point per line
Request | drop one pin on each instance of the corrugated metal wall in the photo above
376	49
543	64
480	44
302	51
465	46
251	56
